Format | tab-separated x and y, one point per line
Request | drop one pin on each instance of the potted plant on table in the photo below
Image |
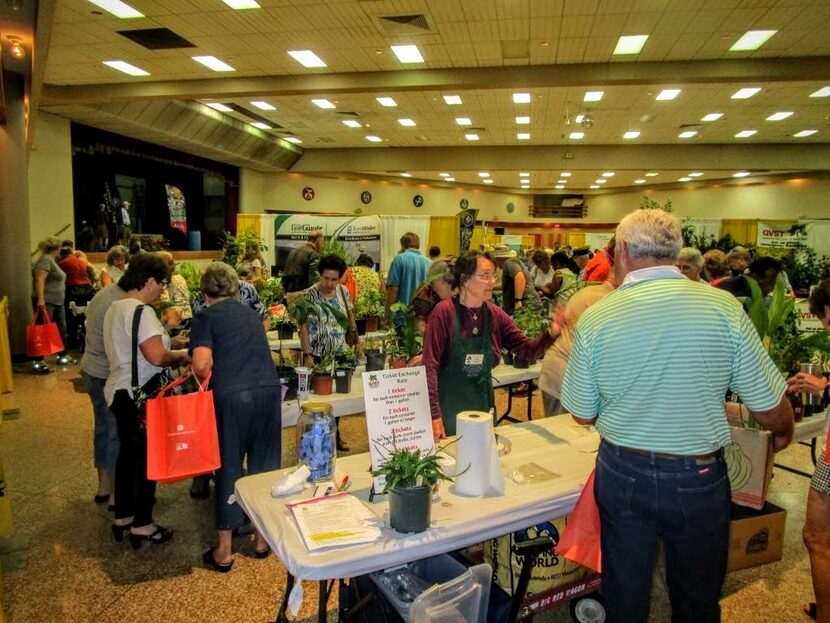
368	310
344	364
407	341
410	477
375	354
533	324
282	321
321	376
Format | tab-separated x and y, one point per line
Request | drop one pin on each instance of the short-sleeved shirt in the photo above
241	357
247	296
54	288
406	272
652	362
297	272
95	362
513	267
75	270
118	331
326	335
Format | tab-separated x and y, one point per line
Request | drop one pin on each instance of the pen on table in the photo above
347	487
343	483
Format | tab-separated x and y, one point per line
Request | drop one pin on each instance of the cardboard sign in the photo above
397	407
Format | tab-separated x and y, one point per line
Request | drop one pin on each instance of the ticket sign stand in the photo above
397	413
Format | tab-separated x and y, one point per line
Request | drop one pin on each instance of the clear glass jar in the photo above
317	440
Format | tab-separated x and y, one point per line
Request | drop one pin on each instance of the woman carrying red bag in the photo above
226	338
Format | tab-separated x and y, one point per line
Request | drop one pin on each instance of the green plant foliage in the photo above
331	245
408	340
192	277
270	292
325	365
302	308
769	320
804	267
790	347
346	358
410	468
370	304
234	246
651	204
531	322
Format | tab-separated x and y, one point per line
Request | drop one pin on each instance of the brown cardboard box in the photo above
756	537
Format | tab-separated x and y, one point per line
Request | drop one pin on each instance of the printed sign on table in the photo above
780	235
397	404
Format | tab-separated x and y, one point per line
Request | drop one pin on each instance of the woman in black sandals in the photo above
143	283
227	341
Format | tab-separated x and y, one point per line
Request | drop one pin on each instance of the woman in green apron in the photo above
463	343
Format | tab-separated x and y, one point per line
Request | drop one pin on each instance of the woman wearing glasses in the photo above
464	339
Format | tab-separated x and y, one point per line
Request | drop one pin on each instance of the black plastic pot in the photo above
518	362
508	357
343	380
375	360
285	331
361	326
409	508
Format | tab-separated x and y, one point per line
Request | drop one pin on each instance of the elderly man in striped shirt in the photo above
650	365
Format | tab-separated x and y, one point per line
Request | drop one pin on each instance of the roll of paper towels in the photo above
477	459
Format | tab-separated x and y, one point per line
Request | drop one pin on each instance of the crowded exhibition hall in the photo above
473	311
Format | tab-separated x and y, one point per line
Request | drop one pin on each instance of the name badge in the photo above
474	360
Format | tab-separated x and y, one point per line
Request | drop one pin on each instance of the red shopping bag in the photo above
43	339
580	542
182	440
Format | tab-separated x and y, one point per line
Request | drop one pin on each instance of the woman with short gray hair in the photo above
690	263
117	258
220	281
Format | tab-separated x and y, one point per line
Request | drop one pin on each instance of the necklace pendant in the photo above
475	330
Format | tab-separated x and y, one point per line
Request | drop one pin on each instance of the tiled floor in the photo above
73	571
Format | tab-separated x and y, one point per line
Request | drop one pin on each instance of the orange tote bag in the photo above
45	338
580	542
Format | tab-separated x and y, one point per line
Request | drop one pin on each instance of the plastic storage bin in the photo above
449	590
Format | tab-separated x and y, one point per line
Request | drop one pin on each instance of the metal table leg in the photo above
506	414
289	585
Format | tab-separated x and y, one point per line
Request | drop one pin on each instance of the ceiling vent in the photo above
404	24
157	38
558	206
348	113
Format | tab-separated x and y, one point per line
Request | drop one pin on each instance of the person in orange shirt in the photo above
600	267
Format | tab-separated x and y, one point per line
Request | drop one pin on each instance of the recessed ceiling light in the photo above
521	98
685	179
522	120
487	181
211	62
631	134
712	116
742	174
652	174
471	137
630	44
752	40
779	116
594	186
608	174
524	174
127	68
406	174
525	186
117	8
444	174
483	174
744	94
667	94
386	101
408	53
241	4
559	187
687	134
593	96
219	107
640	181
449	179
323	104
407	123
600	181
263	105
745	133
822	92
523	136
261	125
293	139
565	174
352	123
695	174
579	118
453	100
577	135
463	121
804	133
373	139
307	58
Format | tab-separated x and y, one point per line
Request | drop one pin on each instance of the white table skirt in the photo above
557	444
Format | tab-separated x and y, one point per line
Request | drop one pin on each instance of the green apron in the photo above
466	382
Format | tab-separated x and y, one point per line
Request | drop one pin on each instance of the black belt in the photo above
716	454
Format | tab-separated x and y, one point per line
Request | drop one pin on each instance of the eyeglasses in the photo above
486	276
164	283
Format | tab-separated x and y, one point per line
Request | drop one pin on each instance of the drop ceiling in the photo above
483	51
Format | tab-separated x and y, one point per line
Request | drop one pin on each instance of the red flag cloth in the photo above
43	339
182	440
580	542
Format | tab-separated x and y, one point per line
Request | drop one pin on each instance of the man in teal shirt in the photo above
650	365
408	270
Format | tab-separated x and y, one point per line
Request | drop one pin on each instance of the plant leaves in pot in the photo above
344	365
321	377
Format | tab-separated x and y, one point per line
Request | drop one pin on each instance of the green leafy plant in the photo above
790	347
804	267
770	320
651	204
270	292
302	308
368	304
531	322
234	246
331	245
324	366
703	242
192	277
346	358
404	468
408	341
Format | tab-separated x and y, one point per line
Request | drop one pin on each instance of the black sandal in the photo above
157	537
262	554
810	610
214	564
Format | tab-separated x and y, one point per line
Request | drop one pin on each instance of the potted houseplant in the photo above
321	376
410	476
287	373
375	355
282	321
344	364
533	324
368	310
407	341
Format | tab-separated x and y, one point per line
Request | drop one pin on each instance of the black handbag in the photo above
157	382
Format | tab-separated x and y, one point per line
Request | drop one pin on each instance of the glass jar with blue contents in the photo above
317	439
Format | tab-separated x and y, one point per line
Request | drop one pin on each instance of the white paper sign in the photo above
397	404
779	236
807	321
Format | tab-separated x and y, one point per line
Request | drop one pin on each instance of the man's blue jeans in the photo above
683	501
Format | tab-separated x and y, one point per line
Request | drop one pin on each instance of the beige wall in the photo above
50	180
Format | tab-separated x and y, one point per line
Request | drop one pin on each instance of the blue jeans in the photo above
105	437
685	502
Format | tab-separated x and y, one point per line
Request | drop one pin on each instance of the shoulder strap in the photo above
136	322
342	293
